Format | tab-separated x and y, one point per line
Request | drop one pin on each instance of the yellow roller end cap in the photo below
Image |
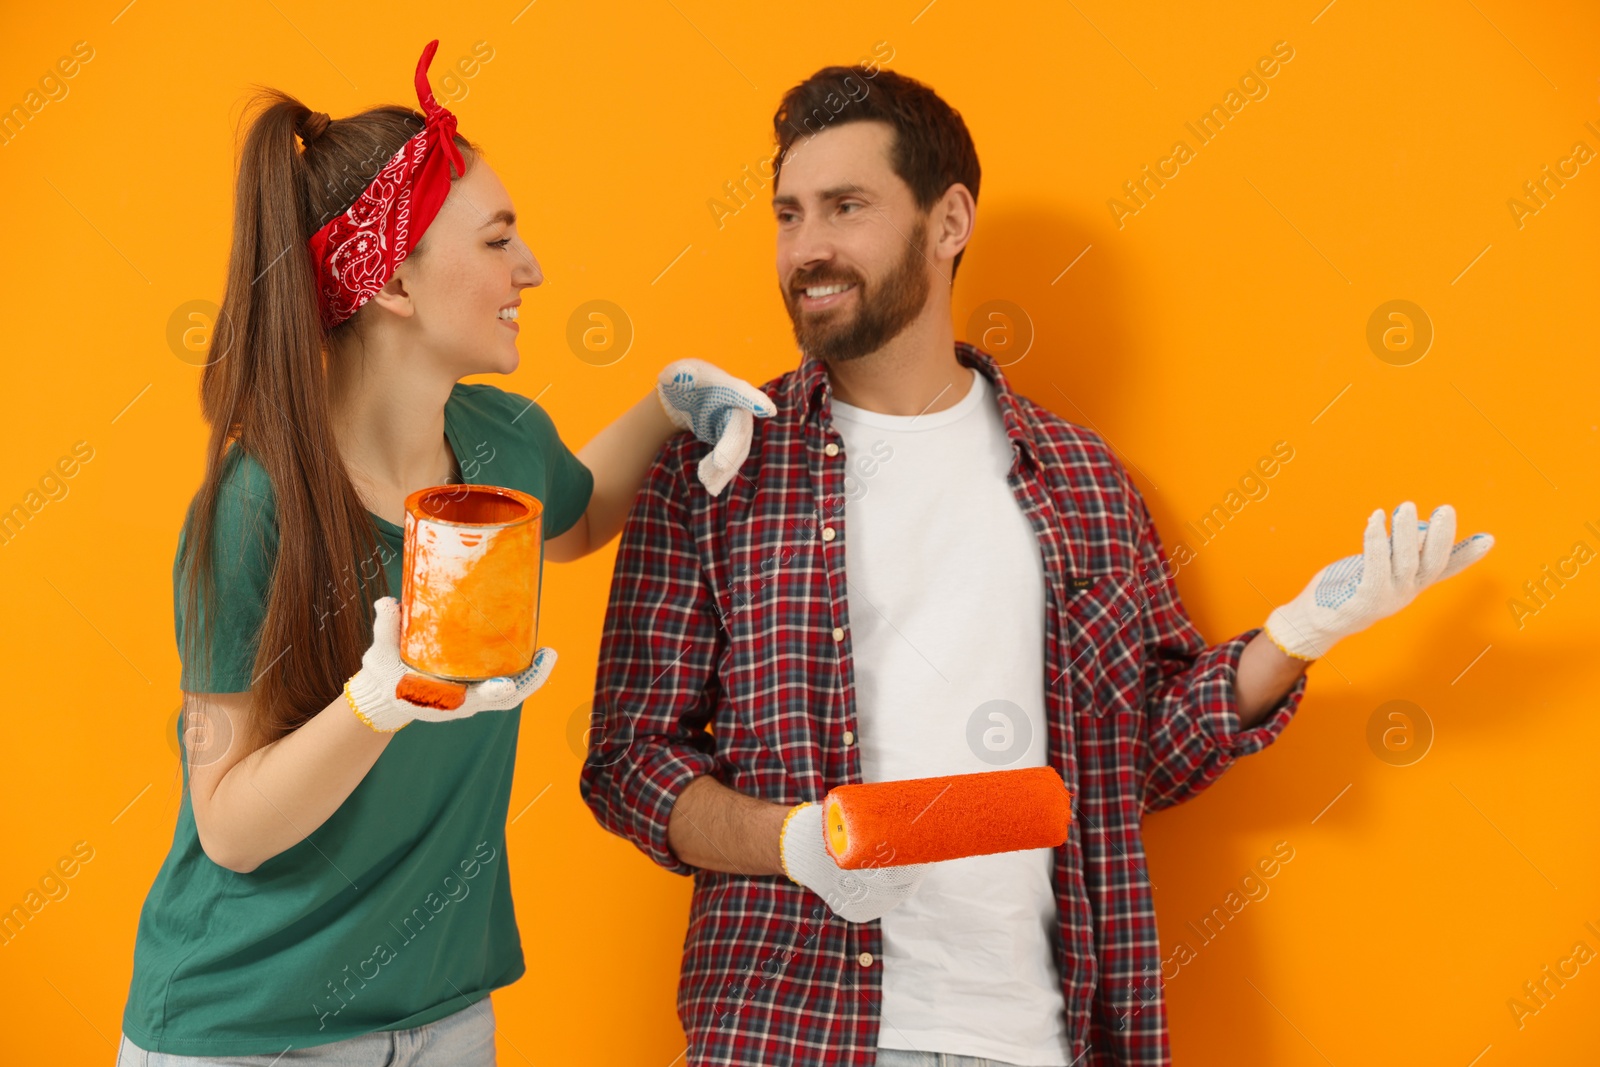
837	840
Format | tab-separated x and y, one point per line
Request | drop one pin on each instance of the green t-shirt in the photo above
397	910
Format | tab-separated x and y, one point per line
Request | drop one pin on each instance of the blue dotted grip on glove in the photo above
709	407
1343	577
1340	582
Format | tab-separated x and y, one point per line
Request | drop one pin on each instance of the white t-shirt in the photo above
946	593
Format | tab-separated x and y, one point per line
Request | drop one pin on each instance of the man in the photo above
1001	600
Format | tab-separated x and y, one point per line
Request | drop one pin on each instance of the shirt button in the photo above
831	449
865	959
827	533
849	737
838	633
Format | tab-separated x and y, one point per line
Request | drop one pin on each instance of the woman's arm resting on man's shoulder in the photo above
619	456
690	395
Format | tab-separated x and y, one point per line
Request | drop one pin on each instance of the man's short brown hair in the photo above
932	149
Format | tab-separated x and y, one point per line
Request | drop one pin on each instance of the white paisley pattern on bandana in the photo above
358	250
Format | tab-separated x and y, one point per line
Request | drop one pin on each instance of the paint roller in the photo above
428	692
923	820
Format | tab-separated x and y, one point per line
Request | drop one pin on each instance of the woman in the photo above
336	889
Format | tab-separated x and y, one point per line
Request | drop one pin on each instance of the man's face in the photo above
853	263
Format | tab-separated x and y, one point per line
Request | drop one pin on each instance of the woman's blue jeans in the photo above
462	1039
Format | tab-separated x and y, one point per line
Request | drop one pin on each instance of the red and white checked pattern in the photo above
722	614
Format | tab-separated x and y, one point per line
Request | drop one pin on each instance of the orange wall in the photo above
1228	313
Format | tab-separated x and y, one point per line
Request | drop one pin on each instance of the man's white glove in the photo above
370	691
718	408
855	896
1351	594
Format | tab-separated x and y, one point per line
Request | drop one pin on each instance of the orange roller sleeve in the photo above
922	820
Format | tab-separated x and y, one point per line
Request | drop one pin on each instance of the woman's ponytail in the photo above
264	389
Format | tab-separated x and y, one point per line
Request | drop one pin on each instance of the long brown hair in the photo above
264	389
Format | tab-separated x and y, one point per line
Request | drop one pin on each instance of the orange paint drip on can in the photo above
469	604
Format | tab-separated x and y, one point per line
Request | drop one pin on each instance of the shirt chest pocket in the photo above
1104	636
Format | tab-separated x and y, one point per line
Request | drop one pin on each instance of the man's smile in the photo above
819	297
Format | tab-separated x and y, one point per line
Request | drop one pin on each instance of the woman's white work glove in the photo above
719	409
370	690
856	896
1351	594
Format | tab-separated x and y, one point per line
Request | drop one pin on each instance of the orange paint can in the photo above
469	605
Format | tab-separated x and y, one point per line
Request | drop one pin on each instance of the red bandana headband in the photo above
357	252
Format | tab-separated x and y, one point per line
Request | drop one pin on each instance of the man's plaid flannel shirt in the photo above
730	613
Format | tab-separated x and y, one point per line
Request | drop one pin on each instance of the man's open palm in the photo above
1352	593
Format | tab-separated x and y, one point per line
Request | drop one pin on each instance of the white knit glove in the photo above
855	896
719	409
370	691
1351	594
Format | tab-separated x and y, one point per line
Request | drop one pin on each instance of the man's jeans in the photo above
894	1057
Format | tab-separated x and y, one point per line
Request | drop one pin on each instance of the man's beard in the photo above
883	311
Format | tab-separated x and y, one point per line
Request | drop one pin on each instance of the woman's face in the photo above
468	275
